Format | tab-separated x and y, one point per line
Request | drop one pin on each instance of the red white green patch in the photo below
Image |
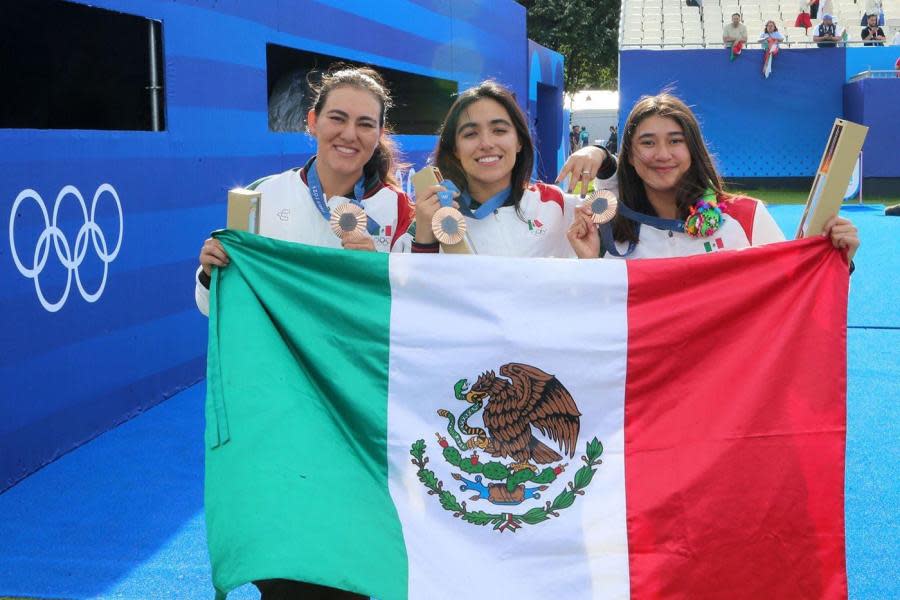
716	244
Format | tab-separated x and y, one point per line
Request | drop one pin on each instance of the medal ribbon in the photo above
318	196
465	201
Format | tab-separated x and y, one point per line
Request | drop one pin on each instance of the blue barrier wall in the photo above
756	127
870	58
873	103
71	374
545	100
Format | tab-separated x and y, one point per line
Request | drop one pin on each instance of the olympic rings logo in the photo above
70	256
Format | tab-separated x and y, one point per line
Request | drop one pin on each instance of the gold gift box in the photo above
832	177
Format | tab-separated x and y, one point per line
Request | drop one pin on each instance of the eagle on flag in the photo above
531	398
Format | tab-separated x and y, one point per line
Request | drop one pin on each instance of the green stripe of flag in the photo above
296	409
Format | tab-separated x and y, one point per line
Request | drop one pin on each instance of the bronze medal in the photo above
347	218
603	204
449	225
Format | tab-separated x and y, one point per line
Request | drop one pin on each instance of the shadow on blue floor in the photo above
121	517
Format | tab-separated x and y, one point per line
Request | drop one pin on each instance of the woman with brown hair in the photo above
486	150
355	162
671	198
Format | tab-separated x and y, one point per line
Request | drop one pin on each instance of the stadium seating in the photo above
672	24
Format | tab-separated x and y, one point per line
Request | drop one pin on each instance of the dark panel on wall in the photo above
77	67
419	102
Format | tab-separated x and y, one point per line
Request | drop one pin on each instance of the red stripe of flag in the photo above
734	435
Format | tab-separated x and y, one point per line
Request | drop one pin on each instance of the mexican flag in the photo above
769	57
441	426
736	49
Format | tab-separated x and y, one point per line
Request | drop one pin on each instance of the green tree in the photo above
585	32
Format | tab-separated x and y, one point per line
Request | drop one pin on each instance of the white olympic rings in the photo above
64	251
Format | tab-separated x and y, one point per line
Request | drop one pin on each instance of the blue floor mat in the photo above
120	517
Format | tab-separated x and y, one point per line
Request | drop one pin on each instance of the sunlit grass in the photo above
782	196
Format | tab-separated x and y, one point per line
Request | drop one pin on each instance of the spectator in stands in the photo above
585	138
827	33
873	35
575	138
734	32
873	7
803	19
896	39
770	33
613	142
813	8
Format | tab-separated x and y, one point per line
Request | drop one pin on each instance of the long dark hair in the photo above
385	160
445	152
701	175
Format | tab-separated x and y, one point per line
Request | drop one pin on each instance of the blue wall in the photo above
755	127
873	103
545	101
870	58
71	374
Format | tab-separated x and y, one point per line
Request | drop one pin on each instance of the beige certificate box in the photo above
243	210
426	178
832	177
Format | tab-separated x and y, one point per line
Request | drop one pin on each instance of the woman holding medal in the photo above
486	155
671	198
354	163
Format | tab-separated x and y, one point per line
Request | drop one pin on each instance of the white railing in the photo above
875	75
751	45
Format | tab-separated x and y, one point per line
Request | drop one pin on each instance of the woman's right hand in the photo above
213	254
583	234
425	209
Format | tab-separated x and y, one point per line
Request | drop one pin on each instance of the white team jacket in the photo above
289	214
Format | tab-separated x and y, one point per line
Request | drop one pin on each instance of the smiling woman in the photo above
485	149
674	200
354	162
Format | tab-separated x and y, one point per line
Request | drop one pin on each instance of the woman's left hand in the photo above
583	234
358	241
843	234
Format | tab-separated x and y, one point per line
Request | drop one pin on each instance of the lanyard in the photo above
489	206
606	233
465	200
318	196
